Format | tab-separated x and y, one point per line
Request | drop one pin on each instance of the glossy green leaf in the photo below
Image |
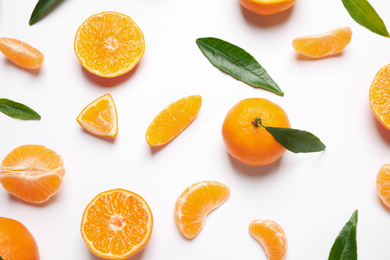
17	110
364	14
237	62
345	245
40	9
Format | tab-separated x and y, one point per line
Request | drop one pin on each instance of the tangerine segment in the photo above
21	53
172	120
195	203
271	236
100	117
267	7
116	224
380	96
324	44
383	184
250	144
32	172
109	44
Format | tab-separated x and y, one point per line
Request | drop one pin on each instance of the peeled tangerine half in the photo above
324	44
271	236
100	117
32	172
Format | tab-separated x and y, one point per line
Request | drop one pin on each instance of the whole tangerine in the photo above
245	139
16	242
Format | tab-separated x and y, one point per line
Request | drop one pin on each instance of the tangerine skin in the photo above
249	144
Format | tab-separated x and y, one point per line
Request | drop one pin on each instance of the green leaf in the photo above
40	9
345	245
296	141
237	62
364	14
1	258
18	110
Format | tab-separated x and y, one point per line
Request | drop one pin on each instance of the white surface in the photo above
311	196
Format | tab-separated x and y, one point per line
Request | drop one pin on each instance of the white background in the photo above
310	195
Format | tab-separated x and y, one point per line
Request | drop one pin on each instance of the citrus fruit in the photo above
109	44
195	203
172	120
271	236
267	7
21	53
380	96
383	184
16	242
100	117
116	224
248	143
324	44
32	172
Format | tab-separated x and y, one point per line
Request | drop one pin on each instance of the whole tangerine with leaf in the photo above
257	132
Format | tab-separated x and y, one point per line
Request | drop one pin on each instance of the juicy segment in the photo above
383	184
195	203
380	96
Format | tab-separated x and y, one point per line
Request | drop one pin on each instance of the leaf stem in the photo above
257	122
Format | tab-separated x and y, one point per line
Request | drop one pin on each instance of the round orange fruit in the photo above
267	7
16	242
248	142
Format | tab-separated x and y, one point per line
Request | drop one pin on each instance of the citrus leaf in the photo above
364	14
296	141
237	62
345	245
40	9
18	110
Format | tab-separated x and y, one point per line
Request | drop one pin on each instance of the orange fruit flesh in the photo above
100	117
172	120
116	224
325	44
271	236
109	44
195	203
267	7
21	53
32	172
383	184
380	96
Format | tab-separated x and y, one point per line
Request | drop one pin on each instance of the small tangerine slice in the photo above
116	224
172	120
21	53
100	117
32	172
267	7
109	44
271	236
379	95
324	44
195	203
383	184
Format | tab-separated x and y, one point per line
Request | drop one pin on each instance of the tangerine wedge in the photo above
100	117
109	44
116	224
21	53
383	184
172	120
195	203
267	7
324	44
32	172
380	96
271	236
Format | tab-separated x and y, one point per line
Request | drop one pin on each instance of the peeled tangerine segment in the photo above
324	44
195	203
271	236
383	184
21	53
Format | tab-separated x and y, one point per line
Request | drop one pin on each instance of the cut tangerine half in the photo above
21	53
109	44
267	7
271	236
324	44
195	203
100	117
32	172
116	224
172	120
380	96
383	184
